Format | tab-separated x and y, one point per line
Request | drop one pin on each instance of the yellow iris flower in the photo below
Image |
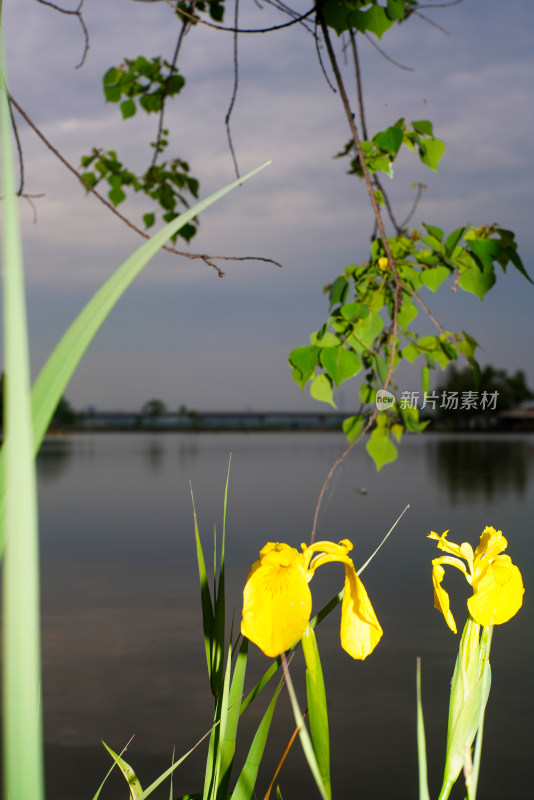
277	600
496	582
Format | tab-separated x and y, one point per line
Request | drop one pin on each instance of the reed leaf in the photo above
246	782
21	674
317	711
136	790
421	741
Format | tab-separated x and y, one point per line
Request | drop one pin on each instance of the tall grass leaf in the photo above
219	623
205	595
136	790
213	761
171	792
22	721
225	700
97	795
168	772
421	741
220	594
303	734
244	788
487	634
230	733
261	684
60	366
317	711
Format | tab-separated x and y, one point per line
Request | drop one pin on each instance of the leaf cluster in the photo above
146	81
363	15
380	152
143	83
368	332
167	183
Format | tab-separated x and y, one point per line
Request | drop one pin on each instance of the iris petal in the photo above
498	595
276	600
360	629
441	597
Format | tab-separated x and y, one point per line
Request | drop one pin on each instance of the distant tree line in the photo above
510	390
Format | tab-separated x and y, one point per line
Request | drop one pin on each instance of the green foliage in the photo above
344	15
168	184
144	81
360	336
381	151
317	710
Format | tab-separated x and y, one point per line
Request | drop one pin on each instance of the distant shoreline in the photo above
520	420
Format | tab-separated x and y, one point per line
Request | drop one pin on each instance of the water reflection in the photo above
54	458
480	466
122	634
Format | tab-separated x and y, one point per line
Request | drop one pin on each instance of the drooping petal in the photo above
360	628
498	593
441	597
276	599
325	552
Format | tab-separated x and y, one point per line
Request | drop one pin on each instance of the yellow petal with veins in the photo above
498	593
276	599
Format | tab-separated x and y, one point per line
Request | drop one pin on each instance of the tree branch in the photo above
208	259
76	13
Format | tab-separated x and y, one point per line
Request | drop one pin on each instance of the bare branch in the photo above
76	13
208	259
385	55
234	92
420	189
183	30
242	30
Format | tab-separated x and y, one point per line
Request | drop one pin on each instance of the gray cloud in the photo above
182	322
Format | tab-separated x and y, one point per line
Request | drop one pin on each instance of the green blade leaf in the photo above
131	778
21	674
421	741
247	779
234	711
208	617
317	711
304	736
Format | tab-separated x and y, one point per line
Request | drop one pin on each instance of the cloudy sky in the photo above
181	333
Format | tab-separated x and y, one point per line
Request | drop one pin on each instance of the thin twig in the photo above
385	55
208	259
19	149
431	22
76	13
320	58
359	90
242	30
234	92
185	25
420	189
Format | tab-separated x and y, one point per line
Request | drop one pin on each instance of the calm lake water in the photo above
123	652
